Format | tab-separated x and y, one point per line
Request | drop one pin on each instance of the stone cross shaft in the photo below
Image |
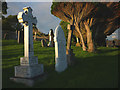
28	21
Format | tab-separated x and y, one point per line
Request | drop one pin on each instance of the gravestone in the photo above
60	50
35	36
78	42
29	67
43	43
51	36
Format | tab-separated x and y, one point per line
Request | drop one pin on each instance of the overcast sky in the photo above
45	20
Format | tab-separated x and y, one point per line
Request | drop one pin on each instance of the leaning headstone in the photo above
51	36
29	67
43	43
60	50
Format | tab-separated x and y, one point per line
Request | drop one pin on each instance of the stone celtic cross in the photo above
29	66
28	20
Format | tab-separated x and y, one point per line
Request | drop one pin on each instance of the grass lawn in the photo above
91	70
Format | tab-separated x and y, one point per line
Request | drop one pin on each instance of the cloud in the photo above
114	33
46	20
113	36
41	10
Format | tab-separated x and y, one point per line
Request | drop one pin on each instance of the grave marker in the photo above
60	50
43	43
51	36
29	66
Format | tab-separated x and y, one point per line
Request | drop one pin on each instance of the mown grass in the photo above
91	70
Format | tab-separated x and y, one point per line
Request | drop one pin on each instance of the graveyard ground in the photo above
99	70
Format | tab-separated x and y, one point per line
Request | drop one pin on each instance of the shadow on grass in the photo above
107	50
92	72
7	73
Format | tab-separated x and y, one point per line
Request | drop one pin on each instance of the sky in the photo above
45	20
115	35
41	10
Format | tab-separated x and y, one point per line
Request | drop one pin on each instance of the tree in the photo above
10	24
4	7
67	11
93	20
14	22
64	27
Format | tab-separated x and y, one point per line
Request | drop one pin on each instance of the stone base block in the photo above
29	71
61	65
29	60
30	81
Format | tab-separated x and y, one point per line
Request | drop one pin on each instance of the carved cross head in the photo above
26	16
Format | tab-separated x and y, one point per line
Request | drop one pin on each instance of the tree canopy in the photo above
100	18
4	7
107	13
11	23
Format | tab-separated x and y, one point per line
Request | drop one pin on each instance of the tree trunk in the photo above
90	43
82	40
69	41
100	38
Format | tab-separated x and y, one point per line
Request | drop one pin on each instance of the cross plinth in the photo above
29	66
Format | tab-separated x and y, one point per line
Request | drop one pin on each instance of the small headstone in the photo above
60	50
51	36
43	43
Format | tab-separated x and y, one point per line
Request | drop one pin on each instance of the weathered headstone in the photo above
78	42
51	36
60	50
43	43
29	66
